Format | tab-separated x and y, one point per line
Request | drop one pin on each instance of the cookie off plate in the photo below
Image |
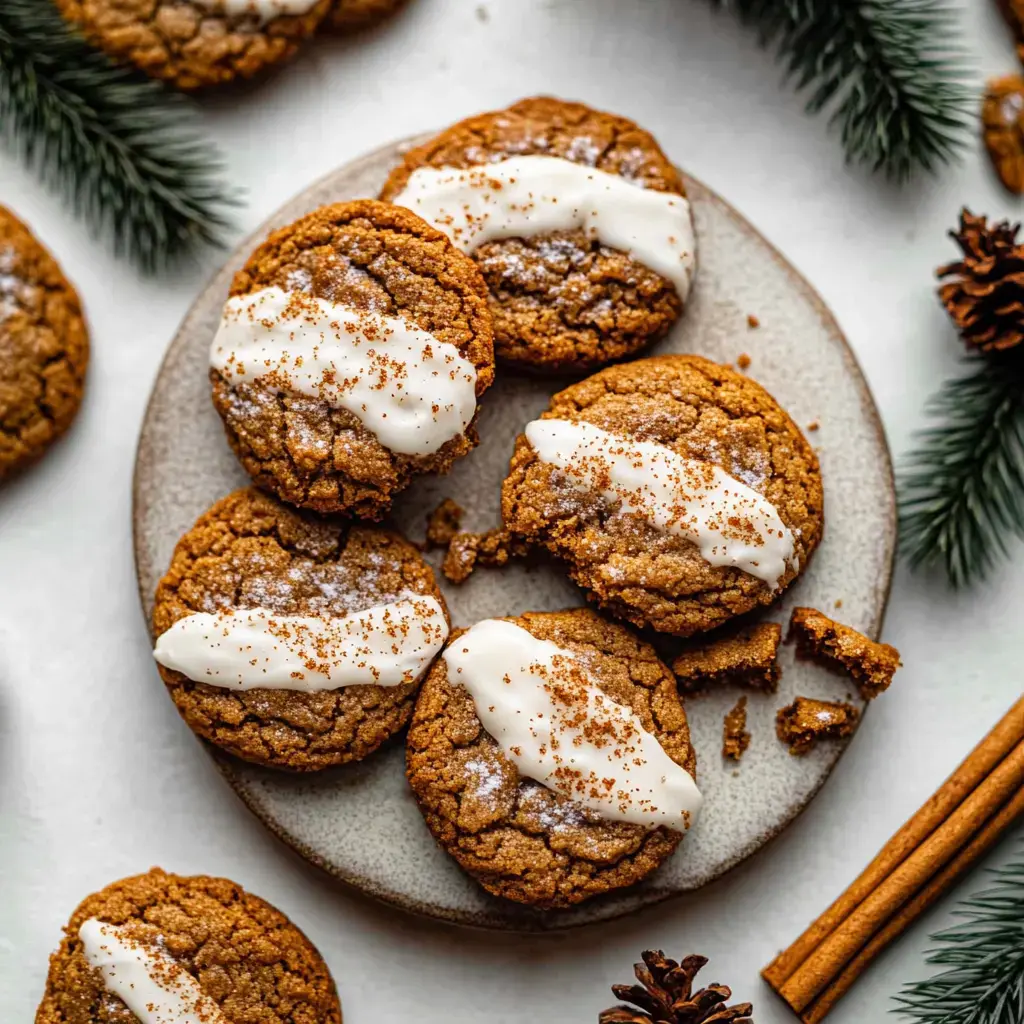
359	822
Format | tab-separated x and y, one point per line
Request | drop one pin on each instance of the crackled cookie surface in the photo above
197	43
351	356
294	641
525	840
44	347
159	947
566	300
676	491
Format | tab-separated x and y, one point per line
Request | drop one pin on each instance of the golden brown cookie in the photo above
250	551
562	302
207	939
196	43
743	654
519	839
353	15
635	570
44	347
374	257
806	721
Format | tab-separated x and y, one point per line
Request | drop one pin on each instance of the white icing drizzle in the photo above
558	727
535	195
151	983
731	524
386	645
264	10
412	390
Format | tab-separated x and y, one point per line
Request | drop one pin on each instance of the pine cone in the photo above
664	996
986	297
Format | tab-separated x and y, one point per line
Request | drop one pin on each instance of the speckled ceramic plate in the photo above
360	823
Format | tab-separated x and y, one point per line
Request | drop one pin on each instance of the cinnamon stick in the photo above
952	826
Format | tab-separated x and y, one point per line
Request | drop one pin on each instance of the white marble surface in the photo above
99	778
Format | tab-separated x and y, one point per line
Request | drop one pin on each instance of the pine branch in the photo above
891	71
985	956
962	494
121	149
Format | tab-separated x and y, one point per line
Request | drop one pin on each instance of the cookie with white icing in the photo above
158	947
550	756
577	219
677	492
197	43
351	355
294	641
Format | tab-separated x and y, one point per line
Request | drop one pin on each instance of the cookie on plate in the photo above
197	43
158	947
44	347
293	641
351	356
676	491
353	15
550	756
577	219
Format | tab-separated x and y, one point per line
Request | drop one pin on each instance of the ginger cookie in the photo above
577	219
294	641
158	947
197	43
550	756
353	15
44	347
351	356
677	492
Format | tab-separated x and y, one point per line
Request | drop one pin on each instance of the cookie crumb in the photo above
741	655
814	425
490	550
443	524
839	603
805	721
869	664
743	361
735	738
752	321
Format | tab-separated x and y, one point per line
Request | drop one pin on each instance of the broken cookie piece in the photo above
443	524
490	550
741	655
869	664
805	721
735	738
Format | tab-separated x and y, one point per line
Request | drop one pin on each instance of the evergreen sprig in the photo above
985	956
892	73
121	149
962	490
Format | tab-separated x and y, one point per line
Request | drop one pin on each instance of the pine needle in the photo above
892	72
962	492
122	150
985	957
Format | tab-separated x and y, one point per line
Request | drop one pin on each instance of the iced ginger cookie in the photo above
158	948
676	491
577	219
197	43
550	756
44	347
294	641
350	357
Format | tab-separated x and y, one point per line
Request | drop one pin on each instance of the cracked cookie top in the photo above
630	563
197	43
397	342
44	347
561	301
251	552
205	937
520	840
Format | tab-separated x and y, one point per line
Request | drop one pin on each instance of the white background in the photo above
98	776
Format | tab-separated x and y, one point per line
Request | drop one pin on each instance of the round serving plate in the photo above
360	822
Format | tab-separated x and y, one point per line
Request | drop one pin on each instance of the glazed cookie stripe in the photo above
536	195
387	645
412	390
149	982
264	10
731	524
559	728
